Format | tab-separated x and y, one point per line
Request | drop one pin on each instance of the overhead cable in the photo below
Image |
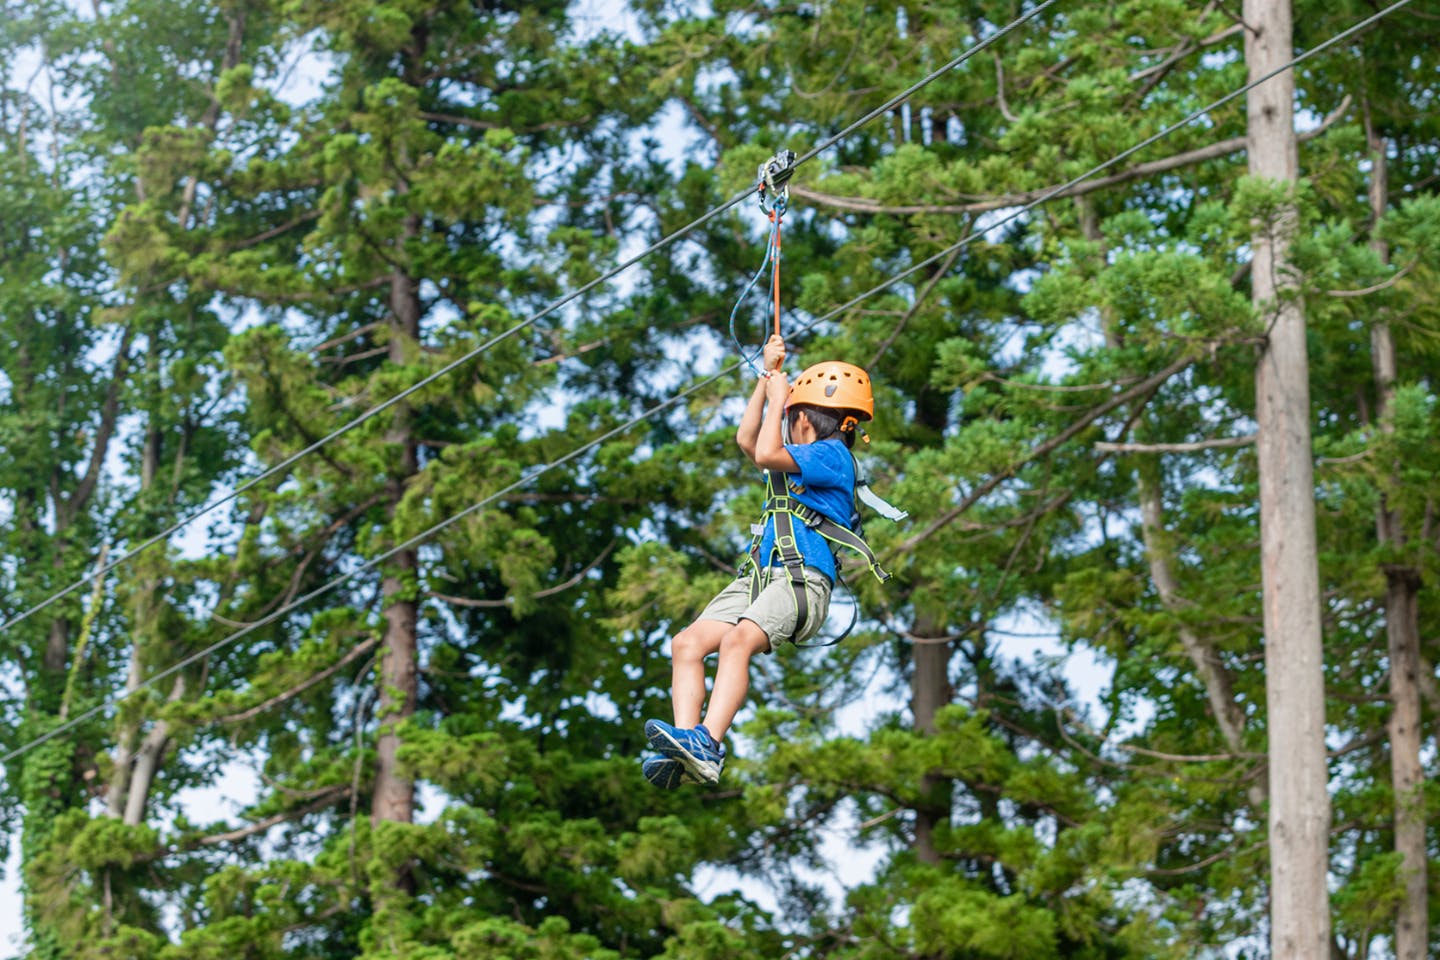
291	460
530	475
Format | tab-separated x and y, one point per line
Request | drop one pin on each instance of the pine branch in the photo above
1139	171
1193	447
1149	384
260	826
1382	285
355	652
537	595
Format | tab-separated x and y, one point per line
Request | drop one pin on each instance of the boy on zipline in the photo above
784	591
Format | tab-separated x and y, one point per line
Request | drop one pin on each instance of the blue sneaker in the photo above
667	774
663	772
696	750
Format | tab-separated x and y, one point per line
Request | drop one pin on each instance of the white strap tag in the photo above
874	502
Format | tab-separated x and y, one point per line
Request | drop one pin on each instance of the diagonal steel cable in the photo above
379	408
665	405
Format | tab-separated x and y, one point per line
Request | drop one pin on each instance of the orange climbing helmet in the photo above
837	385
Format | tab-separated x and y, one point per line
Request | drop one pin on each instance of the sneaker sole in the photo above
705	771
672	775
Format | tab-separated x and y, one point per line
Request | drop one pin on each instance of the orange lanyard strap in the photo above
777	214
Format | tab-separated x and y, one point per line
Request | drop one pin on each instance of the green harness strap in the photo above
785	509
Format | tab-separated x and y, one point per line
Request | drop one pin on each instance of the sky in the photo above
850	863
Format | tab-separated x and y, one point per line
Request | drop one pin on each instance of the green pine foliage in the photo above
205	274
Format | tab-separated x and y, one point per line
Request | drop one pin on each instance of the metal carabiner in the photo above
774	176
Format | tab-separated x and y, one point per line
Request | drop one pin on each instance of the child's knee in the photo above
691	644
745	637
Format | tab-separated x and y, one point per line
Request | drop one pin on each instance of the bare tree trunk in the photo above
929	691
129	787
1214	678
124	744
1412	930
1299	818
1219	689
57	646
147	762
1402	628
394	797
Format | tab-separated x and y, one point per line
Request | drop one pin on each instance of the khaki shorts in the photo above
774	609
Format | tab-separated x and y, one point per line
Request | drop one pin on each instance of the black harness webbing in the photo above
785	509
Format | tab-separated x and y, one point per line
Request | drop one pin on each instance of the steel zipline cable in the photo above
1053	192
660	244
665	405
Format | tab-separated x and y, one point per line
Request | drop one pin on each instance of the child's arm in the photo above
749	429
748	432
770	452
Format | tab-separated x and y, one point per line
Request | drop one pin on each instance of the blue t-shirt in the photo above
826	482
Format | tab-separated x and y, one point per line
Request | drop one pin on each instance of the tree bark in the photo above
1402	626
1412	930
124	744
1214	678
57	647
929	691
147	762
129	787
1299	818
394	797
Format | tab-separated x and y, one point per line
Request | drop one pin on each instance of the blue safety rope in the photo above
778	208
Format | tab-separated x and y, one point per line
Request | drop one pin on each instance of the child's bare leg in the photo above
687	668
732	677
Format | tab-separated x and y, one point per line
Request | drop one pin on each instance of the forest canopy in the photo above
369	375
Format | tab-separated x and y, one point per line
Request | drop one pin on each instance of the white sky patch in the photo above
236	788
849	865
302	79
591	18
12	933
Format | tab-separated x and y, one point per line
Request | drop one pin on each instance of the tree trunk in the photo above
929	691
1214	678
394	797
125	738
1219	689
57	647
147	762
1402	628
1412	930
1299	818
395	794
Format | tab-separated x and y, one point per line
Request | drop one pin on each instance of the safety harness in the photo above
773	190
785	509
